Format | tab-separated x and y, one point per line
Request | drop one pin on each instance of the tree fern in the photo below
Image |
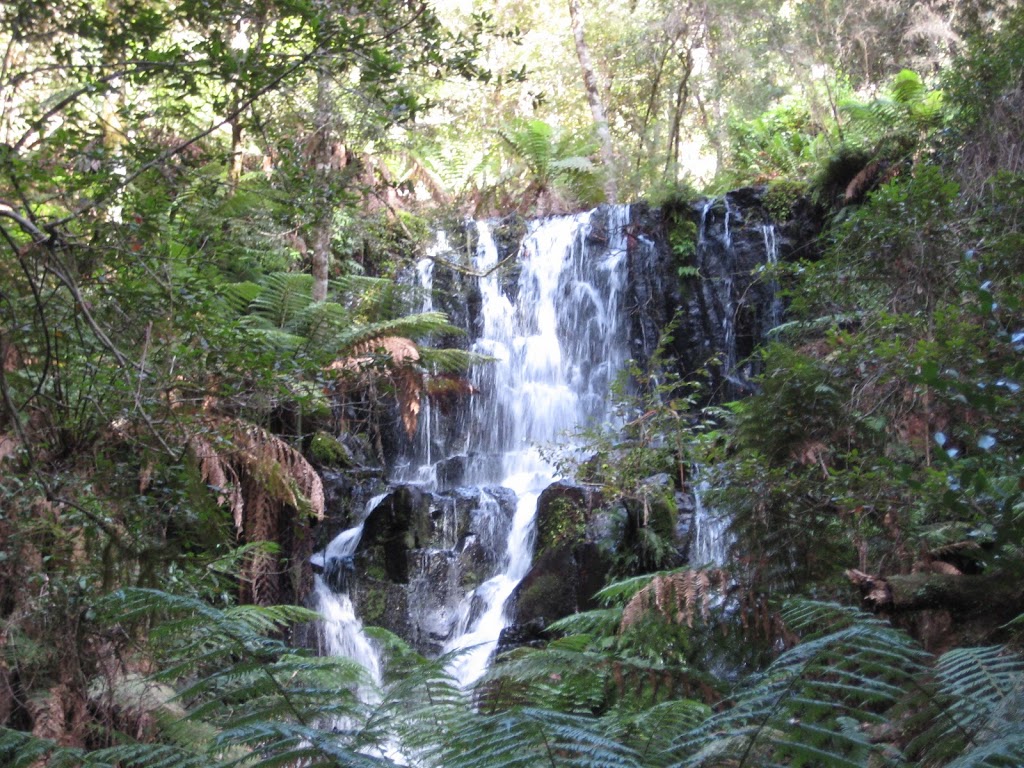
250	697
283	296
409	326
812	705
531	738
371	299
451	360
973	710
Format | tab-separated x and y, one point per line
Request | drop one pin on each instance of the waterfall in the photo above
444	550
341	631
557	348
714	254
771	251
711	536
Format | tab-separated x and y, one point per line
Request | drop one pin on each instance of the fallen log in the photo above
1000	596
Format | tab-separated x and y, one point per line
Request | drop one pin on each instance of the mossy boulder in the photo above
327	451
563	510
568	568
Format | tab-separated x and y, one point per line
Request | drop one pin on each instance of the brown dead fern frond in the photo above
678	597
400	355
246	453
217	471
258	476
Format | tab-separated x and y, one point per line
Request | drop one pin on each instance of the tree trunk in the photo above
320	160
596	104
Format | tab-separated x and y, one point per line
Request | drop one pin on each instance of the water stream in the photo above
557	348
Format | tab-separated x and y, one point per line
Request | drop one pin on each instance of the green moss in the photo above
328	451
374	606
563	523
544	595
781	196
372	564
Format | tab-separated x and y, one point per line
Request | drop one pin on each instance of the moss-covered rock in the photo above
563	510
327	451
568	567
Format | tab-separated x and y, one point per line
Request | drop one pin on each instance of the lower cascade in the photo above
438	558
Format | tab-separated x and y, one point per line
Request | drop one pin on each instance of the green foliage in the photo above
881	138
329	451
813	705
549	170
781	196
908	111
785	142
799	403
973	715
682	239
563	523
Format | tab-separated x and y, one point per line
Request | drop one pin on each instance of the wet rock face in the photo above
725	311
400	523
421	553
568	568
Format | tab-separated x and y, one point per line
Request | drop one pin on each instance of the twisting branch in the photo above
30	229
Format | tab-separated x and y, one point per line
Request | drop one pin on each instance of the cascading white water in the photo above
556	350
341	631
712	538
771	250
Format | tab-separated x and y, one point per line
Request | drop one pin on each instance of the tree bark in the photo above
320	160
995	595
597	108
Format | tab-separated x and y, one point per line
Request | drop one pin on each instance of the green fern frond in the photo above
322	322
852	668
424	706
1003	752
620	592
976	710
907	87
23	750
274	744
579	164
283	296
238	296
451	360
530	141
600	621
409	326
651	730
372	299
529	737
271	337
148	756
